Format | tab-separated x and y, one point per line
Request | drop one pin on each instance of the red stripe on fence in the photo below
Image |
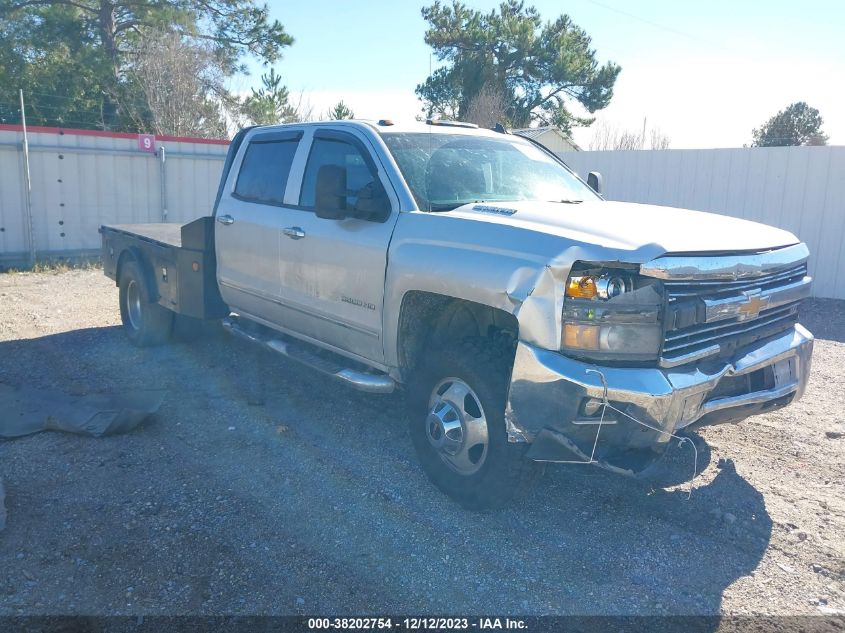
128	135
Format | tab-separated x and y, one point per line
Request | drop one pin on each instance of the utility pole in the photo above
162	170
27	185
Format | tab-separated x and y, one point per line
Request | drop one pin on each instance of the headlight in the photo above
609	287
612	314
603	286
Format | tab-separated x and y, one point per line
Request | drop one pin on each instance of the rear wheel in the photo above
145	322
461	438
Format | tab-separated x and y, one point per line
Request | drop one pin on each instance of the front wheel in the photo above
145	322
461	439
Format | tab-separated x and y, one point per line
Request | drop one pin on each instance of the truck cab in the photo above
304	224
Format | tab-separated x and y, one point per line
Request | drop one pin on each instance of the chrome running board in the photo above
303	353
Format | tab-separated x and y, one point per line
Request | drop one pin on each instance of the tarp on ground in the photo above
25	410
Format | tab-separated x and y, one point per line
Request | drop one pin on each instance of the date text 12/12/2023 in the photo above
417	623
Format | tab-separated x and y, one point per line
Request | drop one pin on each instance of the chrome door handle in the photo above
225	219
294	232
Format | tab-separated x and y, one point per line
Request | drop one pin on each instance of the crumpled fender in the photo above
510	268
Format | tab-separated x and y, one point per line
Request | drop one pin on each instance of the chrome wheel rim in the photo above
133	304
456	426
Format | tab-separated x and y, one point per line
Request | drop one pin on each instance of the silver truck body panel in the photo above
629	226
325	285
519	263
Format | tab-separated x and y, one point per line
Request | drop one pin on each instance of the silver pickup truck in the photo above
530	320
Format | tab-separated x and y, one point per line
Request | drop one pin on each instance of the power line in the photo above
656	25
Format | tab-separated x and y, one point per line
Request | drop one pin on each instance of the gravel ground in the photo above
314	502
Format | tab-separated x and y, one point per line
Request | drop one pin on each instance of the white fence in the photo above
801	189
82	179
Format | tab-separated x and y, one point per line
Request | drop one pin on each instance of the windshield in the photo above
445	171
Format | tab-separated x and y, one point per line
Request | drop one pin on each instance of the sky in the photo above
704	72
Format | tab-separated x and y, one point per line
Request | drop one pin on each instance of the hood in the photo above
630	226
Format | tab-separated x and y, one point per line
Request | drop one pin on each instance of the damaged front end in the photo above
609	393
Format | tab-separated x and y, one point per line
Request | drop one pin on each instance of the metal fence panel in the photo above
801	189
12	216
81	180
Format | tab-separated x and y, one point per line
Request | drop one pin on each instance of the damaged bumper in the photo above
554	402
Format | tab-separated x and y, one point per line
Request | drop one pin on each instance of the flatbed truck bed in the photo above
178	261
159	233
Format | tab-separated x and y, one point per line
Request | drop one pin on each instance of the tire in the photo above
145	322
478	478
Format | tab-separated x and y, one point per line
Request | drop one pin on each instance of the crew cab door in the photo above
250	217
333	270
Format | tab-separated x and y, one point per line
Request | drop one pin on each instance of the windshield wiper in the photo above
567	201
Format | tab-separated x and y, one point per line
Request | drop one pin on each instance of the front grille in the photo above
680	290
688	335
688	340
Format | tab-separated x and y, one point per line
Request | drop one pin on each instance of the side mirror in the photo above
373	203
330	197
594	180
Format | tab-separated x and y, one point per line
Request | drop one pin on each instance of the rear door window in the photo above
265	169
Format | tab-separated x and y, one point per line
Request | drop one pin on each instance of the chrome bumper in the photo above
549	391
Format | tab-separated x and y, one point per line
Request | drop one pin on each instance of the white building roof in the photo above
535	133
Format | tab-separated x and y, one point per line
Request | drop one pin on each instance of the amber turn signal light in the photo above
576	336
581	287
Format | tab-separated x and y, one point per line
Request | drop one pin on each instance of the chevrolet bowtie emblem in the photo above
753	305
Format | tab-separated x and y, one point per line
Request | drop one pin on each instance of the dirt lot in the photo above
314	503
